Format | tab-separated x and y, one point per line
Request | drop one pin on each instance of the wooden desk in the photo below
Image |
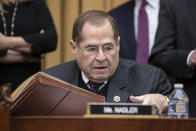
4	120
60	123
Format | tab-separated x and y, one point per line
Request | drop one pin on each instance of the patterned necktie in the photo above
94	87
143	39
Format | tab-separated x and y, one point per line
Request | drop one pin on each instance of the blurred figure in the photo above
175	44
26	31
137	22
1	3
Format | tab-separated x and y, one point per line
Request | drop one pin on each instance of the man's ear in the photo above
118	42
73	47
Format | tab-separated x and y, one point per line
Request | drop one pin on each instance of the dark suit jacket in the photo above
130	78
124	16
176	37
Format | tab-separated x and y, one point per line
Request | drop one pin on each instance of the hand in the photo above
153	99
16	43
42	31
192	60
3	42
12	57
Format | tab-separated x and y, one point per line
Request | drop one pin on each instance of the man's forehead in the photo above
96	22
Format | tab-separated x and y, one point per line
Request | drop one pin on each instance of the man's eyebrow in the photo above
91	44
108	43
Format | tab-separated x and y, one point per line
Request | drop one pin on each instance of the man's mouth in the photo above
100	68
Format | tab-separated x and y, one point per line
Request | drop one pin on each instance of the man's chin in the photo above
101	77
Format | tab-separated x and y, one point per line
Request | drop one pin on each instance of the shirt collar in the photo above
152	3
86	79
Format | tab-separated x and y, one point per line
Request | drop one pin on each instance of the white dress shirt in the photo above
152	9
85	79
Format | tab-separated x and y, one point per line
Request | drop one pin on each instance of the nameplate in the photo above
121	109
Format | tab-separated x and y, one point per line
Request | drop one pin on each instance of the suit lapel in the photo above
74	75
76	80
130	28
117	88
192	7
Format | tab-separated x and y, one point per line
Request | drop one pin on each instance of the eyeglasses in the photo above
93	50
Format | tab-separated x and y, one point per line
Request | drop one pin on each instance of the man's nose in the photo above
100	55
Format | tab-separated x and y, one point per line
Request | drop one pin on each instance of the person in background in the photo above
1	3
26	31
175	45
137	21
98	68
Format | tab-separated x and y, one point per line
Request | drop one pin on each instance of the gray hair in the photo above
94	17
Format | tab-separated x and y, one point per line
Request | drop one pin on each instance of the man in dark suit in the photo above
174	49
95	45
127	18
